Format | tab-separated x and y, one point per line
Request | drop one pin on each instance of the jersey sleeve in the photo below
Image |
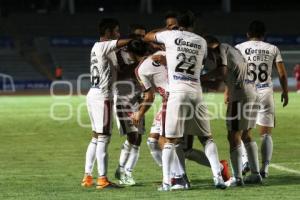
162	37
277	57
223	56
108	46
143	78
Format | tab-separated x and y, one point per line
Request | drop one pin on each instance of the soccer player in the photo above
241	107
100	101
185	52
261	56
171	20
188	139
127	101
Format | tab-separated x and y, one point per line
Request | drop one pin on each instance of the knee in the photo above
131	137
205	140
246	137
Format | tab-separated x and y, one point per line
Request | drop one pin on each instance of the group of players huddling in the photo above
127	73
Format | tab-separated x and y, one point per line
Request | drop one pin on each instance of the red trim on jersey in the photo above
107	116
163	115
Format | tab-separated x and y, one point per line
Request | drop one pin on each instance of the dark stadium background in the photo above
38	35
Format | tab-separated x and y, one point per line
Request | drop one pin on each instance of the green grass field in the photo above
41	158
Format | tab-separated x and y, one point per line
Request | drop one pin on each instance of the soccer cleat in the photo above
180	184
104	183
235	182
253	179
246	168
219	183
87	181
164	187
264	174
126	180
225	171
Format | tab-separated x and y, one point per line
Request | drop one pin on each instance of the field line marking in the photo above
281	168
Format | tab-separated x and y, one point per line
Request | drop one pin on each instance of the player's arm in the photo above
151	36
226	95
122	42
160	58
148	100
283	82
107	47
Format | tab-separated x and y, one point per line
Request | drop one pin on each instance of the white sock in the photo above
132	159
211	153
102	154
266	151
124	155
244	154
90	156
236	161
252	152
155	150
167	159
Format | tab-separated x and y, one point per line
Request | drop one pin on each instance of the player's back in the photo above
260	57
151	73
237	79
185	52
103	67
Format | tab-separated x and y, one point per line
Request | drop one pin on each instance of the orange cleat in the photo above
103	183
225	172
87	181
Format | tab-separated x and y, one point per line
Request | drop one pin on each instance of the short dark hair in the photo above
210	39
133	27
257	29
137	47
186	19
107	24
171	14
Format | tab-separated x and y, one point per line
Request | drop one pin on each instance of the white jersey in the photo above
153	74
260	57
185	52
104	67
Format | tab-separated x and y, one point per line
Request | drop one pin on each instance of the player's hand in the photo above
226	99
160	58
136	118
284	98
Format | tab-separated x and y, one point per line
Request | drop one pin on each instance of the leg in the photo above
252	152
194	154
154	148
266	149
135	140
90	158
266	121
234	139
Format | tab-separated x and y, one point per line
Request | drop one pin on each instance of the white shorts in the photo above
266	112
100	111
242	114
124	108
186	113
